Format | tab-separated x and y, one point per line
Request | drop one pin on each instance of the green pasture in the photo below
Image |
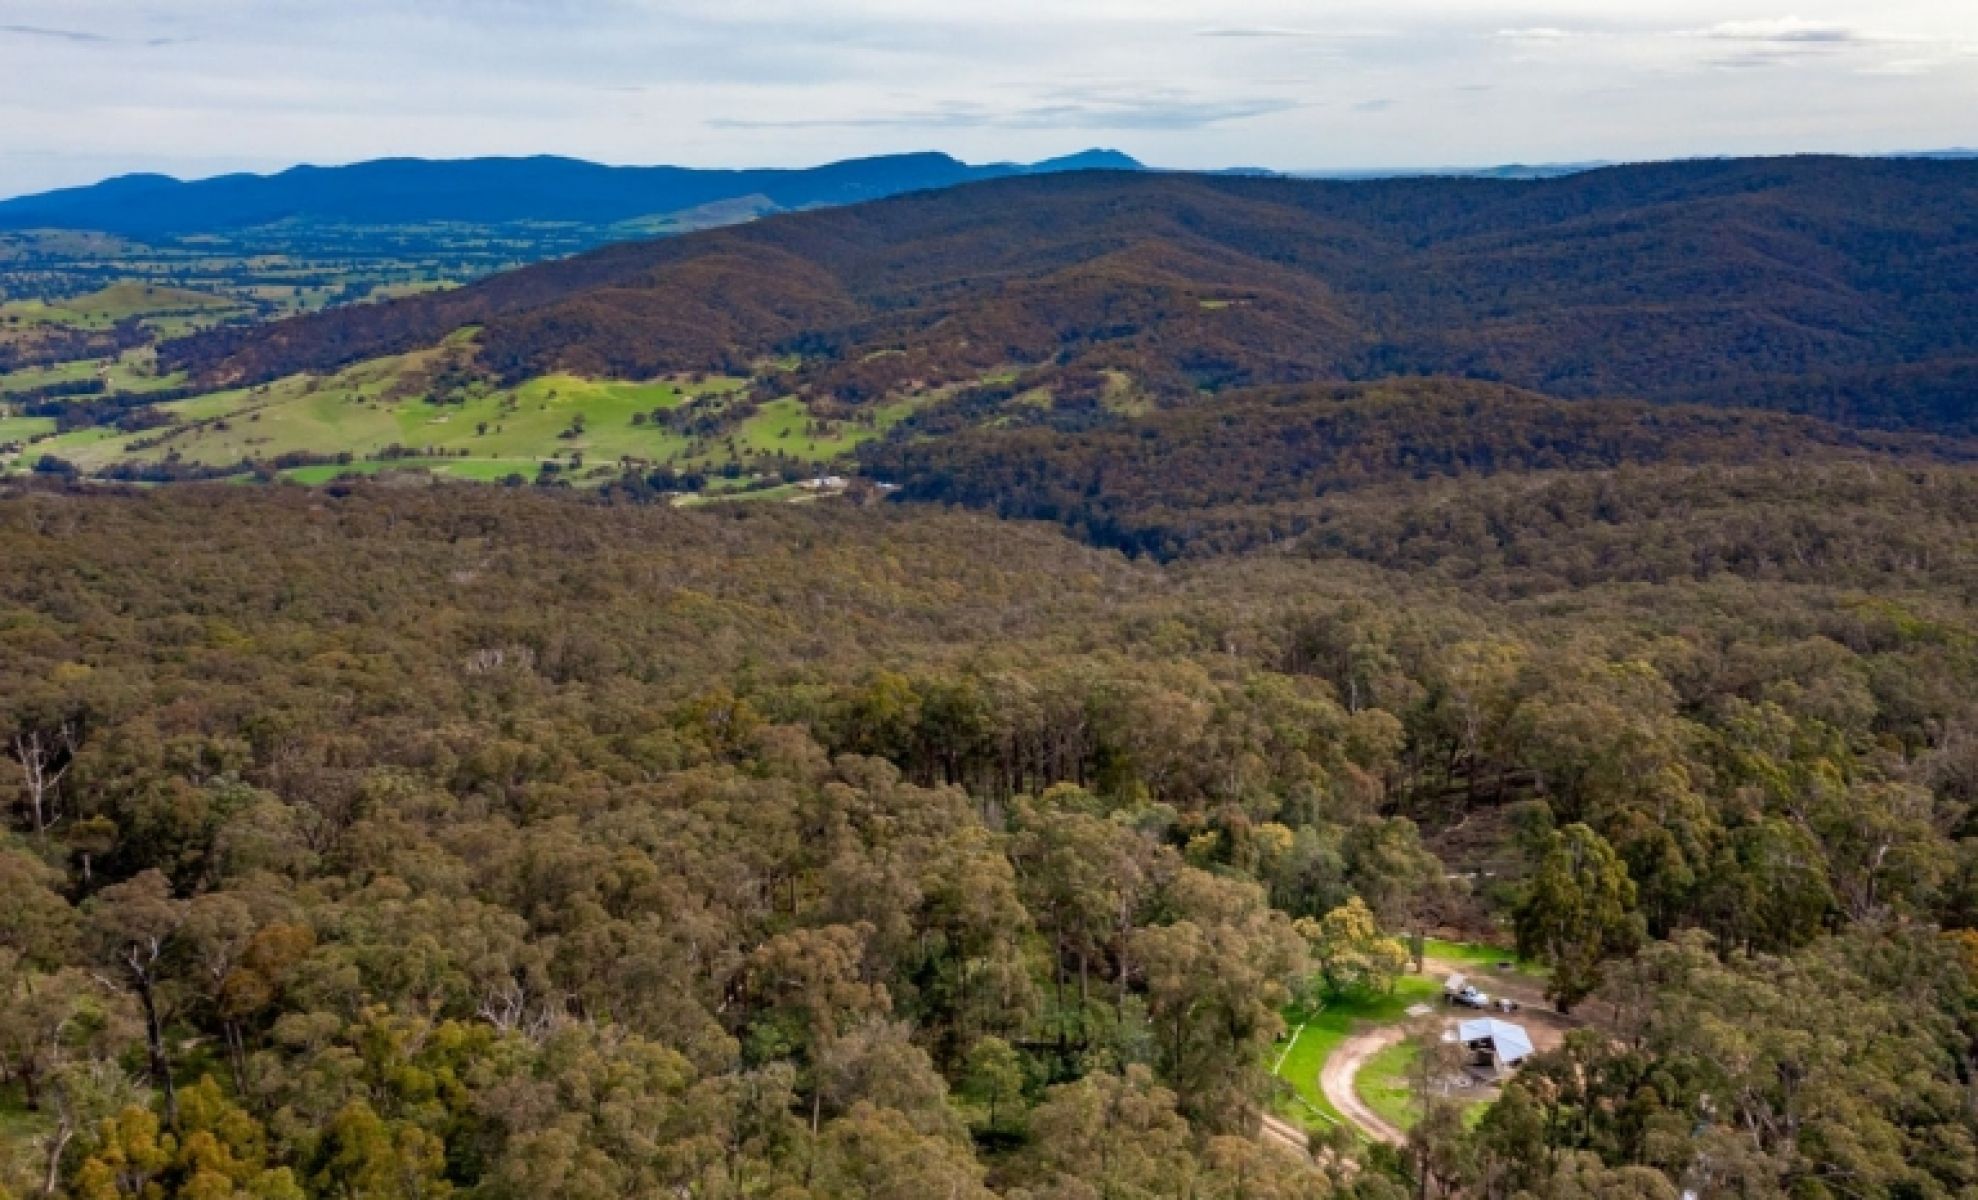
134	371
24	429
176	308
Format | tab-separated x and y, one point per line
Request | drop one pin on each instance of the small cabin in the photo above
1494	1048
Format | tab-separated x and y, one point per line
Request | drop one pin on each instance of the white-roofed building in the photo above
1496	1047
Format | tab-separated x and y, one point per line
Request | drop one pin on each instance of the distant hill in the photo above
1835	287
1505	171
488	191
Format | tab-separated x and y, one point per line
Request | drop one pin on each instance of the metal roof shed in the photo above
1508	1043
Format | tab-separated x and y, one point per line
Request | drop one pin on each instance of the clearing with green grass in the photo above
382	415
1386	1084
1316	1032
1319	1031
178	308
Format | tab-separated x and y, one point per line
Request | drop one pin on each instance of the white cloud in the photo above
1786	30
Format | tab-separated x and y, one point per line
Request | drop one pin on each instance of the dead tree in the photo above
45	754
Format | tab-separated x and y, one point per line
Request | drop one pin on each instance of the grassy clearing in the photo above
29	378
1124	396
135	371
1481	957
1325	1028
172	310
477	470
788	493
378	412
1386	1086
785	427
25	429
18	1130
1298	1062
373	406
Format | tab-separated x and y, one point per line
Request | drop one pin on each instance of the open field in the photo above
133	371
178	309
378	414
1481	957
429	410
22	429
785	427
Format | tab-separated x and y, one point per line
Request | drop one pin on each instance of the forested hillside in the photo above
1261	467
1833	287
1243	602
411	842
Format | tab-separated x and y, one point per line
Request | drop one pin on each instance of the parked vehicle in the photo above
1470	997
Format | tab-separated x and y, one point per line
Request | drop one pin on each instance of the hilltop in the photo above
1827	286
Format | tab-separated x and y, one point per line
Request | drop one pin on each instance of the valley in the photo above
1114	310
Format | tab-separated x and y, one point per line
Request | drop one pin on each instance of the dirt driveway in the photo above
1337	1076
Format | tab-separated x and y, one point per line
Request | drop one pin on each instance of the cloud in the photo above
76	36
1783	41
81	37
1064	109
1373	106
1788	31
1183	82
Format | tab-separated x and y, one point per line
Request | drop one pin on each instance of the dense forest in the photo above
399	841
1833	287
1264	466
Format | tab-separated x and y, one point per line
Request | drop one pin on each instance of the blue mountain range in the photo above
490	191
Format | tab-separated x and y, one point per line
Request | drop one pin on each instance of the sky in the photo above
92	88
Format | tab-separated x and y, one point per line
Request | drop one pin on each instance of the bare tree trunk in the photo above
154	1042
237	1056
44	758
58	1142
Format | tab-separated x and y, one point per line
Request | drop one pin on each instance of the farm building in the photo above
1495	1047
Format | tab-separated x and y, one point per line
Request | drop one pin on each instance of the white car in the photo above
1470	997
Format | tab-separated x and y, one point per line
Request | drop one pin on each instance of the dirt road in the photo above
1528	992
1336	1080
1284	1133
1339	1077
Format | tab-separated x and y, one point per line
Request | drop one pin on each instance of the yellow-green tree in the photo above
1351	953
